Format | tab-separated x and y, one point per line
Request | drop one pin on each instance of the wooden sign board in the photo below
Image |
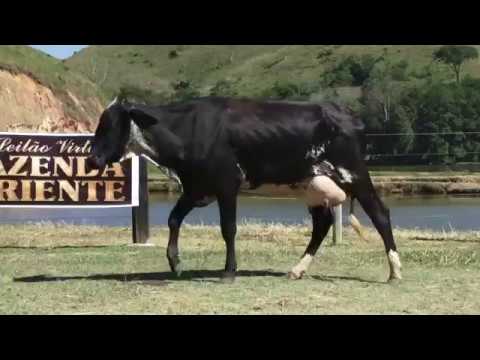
51	171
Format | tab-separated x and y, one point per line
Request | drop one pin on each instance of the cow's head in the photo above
111	136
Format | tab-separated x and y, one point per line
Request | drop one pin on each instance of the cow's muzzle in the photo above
95	162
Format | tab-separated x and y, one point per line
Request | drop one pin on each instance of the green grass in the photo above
150	67
46	269
47	69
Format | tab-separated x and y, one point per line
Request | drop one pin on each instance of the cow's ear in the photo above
142	119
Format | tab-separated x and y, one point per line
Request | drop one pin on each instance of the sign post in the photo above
337	227
140	220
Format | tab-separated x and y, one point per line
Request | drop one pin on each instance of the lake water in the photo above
431	212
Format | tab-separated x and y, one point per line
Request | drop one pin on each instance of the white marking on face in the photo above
171	174
112	103
395	265
137	143
127	156
242	173
346	175
301	268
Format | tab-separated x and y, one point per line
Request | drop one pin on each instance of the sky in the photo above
59	51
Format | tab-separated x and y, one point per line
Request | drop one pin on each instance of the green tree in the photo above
402	114
452	109
455	56
352	70
360	67
184	90
388	108
382	89
287	90
337	75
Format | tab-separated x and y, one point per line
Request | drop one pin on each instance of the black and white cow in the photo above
213	144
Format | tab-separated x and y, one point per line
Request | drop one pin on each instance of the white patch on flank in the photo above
395	265
301	268
324	168
346	175
329	164
316	170
315	152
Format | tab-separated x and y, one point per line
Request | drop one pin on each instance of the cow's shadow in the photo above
164	278
156	278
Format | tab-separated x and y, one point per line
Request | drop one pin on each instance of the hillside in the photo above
41	93
249	69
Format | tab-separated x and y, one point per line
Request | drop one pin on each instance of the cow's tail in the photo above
359	229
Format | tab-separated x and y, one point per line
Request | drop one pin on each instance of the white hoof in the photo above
395	266
292	275
301	268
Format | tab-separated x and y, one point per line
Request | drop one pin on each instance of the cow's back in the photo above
269	140
272	139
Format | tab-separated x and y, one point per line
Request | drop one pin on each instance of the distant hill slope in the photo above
249	68
41	93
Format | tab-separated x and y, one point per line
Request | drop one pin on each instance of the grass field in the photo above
151	67
47	269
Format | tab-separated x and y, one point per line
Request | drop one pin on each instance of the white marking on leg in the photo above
395	265
301	268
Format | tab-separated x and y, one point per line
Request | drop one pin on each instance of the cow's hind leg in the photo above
178	214
228	223
322	220
379	214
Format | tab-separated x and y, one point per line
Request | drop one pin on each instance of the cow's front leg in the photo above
180	211
322	219
228	222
